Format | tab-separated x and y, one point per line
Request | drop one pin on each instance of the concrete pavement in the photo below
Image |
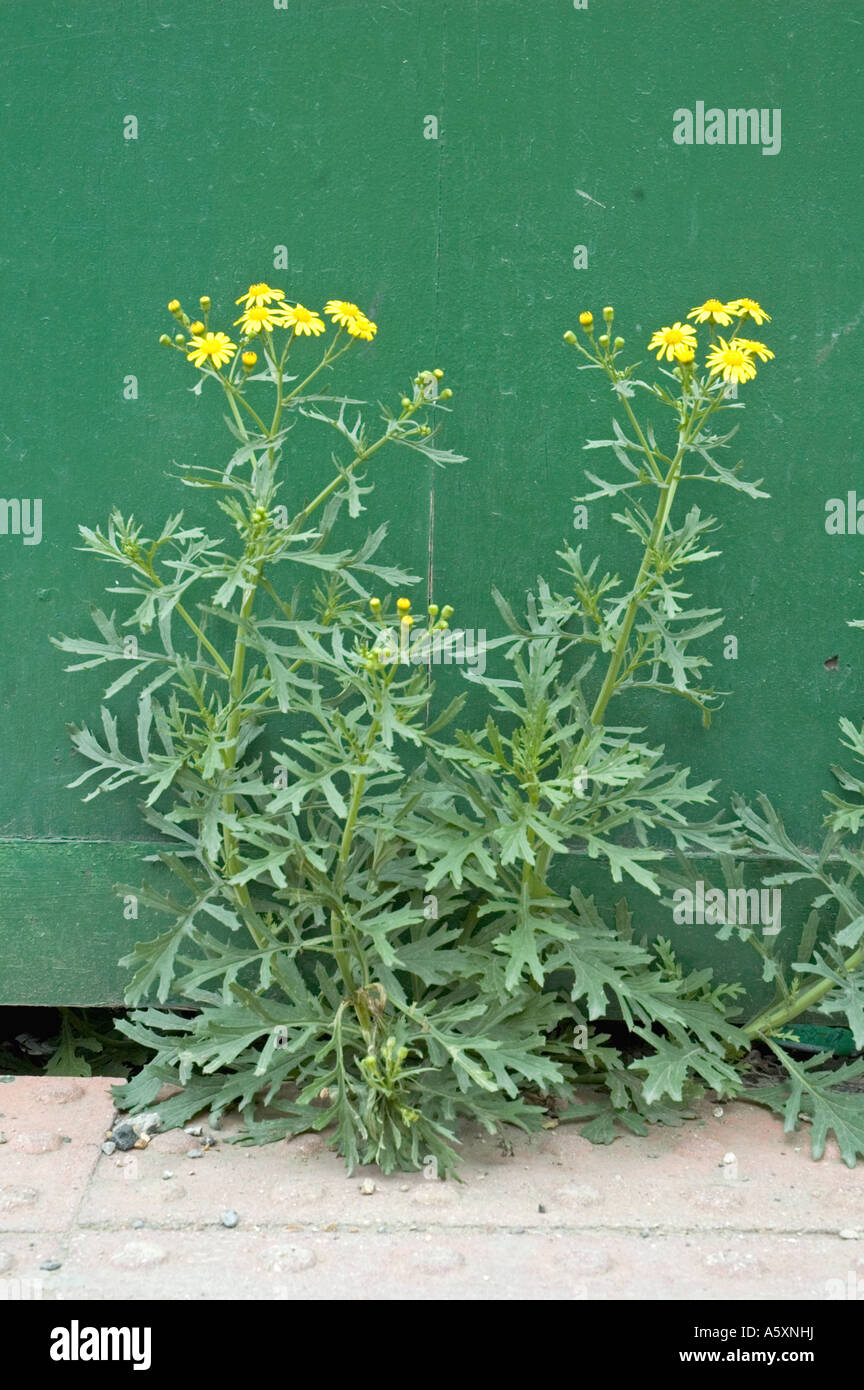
725	1207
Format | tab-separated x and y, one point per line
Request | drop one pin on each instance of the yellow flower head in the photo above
258	317
302	321
733	363
586	320
342	311
249	359
677	343
712	311
173	306
750	309
362	328
217	347
256	295
196	327
403	604
750	345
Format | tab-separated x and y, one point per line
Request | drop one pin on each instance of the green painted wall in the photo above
303	126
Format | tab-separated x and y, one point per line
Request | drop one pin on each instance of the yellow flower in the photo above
751	310
586	320
343	311
301	320
362	328
749	345
713	311
215	346
173	306
256	295
403	604
732	362
196	327
258	317
676	343
249	359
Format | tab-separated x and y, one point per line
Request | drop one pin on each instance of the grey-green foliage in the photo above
377	915
326	994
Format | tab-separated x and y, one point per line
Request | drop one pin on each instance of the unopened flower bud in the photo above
425	429
438	372
174	306
179	339
165	340
204	301
619	343
407	620
375	605
433	610
249	359
405	403
570	337
608	313
603	340
586	320
403	604
196	327
447	612
446	394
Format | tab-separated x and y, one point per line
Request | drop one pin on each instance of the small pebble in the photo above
148	1123
195	1130
3	1139
51	1264
195	1153
540	1207
109	1146
230	1219
167	1174
729	1158
124	1137
138	1223
367	1187
718	1112
849	1234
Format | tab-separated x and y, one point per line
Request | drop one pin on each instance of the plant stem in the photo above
779	1015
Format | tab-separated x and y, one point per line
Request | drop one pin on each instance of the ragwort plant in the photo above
297	926
374	941
550	777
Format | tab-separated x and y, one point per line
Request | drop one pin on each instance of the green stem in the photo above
779	1015
187	618
642	585
329	356
340	477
